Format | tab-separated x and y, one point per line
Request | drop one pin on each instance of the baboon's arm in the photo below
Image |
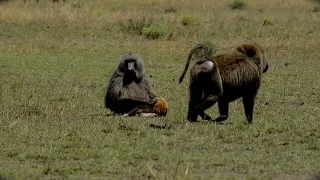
147	83
152	95
137	101
207	102
139	110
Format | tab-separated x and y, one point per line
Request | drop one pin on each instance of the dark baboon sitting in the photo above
223	79
129	89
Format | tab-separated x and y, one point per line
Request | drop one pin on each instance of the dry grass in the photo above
55	61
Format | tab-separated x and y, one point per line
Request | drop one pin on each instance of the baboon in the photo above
130	91
205	81
223	79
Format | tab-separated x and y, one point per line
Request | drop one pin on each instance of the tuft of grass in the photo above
171	9
76	4
268	20
241	18
154	32
237	4
189	20
98	12
2	1
136	26
316	9
316	1
212	47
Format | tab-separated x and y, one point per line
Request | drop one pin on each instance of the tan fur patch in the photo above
161	107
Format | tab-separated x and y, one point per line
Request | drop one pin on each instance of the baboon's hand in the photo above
158	98
125	115
155	100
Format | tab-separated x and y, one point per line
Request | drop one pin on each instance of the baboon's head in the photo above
132	66
257	53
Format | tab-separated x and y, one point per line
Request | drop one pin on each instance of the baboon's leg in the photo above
248	103
133	112
224	111
139	110
206	103
195	98
205	116
191	114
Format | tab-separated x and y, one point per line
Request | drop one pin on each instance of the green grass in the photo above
56	59
237	4
190	20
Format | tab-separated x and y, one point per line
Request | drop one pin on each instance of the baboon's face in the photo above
131	68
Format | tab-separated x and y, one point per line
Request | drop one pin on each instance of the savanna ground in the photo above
56	59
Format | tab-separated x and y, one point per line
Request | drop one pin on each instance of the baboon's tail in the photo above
196	47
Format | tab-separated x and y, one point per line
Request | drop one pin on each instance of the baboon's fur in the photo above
130	91
161	107
129	88
225	78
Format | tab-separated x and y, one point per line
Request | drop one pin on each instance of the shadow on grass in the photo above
2	177
96	115
161	126
316	176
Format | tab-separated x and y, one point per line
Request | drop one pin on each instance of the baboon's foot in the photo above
192	118
221	118
125	115
148	114
205	116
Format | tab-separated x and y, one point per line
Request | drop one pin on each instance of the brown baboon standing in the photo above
205	82
225	78
130	90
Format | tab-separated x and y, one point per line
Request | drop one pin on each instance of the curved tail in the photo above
192	51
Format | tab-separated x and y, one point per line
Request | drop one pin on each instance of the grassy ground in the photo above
55	61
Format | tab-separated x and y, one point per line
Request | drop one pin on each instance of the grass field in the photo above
56	59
